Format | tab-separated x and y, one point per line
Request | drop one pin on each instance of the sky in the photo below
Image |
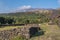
12	5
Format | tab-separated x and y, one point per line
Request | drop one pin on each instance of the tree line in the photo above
24	18
6	21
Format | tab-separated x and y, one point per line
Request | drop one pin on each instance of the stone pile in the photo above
8	34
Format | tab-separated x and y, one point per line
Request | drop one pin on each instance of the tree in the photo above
10	21
2	20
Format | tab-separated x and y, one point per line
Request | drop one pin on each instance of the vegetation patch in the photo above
9	27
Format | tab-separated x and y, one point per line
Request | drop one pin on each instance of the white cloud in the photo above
4	8
21	8
24	7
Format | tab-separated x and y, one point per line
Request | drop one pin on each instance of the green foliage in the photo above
6	20
26	18
2	20
10	21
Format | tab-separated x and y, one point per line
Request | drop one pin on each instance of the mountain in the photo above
32	10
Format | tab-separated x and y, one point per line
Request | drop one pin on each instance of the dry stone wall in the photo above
24	31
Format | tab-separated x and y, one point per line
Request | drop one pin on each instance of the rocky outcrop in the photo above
24	31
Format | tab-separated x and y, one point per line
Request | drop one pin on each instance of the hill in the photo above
48	20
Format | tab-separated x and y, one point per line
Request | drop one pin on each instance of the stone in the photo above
24	31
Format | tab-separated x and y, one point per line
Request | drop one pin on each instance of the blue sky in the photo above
11	5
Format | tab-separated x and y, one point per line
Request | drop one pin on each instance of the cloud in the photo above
24	7
21	8
6	9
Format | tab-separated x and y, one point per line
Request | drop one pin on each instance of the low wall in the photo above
8	34
12	24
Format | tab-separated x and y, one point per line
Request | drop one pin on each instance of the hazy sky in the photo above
11	5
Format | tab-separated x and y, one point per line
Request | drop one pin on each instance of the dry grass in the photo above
9	27
49	28
52	32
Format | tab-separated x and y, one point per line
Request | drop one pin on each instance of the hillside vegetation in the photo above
49	23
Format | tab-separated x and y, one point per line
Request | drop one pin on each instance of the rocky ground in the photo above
51	32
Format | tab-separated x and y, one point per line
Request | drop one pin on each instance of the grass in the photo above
9	27
49	28
52	32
